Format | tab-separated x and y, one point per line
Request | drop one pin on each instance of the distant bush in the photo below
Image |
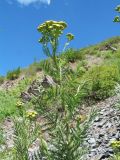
1	80
12	75
72	55
102	81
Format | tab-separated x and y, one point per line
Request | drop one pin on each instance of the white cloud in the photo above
27	2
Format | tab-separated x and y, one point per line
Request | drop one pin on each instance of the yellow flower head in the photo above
31	114
63	24
19	104
51	29
70	36
81	118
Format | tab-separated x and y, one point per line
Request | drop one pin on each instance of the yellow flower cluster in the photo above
115	144
49	25
51	29
81	118
31	114
19	104
70	36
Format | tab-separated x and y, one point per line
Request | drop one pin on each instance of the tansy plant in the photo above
50	34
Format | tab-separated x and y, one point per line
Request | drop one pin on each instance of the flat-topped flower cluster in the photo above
51	30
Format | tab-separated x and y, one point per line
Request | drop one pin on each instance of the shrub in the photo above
102	81
72	55
12	75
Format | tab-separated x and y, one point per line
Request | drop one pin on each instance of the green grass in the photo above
115	157
9	98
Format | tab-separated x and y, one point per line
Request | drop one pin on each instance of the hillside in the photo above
82	99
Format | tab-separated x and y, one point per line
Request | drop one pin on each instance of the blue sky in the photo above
89	20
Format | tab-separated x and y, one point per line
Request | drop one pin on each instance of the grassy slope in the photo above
78	60
94	66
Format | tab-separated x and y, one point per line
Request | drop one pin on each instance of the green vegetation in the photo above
12	75
9	98
102	81
116	147
72	55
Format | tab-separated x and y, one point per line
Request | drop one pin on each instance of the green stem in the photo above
55	61
65	46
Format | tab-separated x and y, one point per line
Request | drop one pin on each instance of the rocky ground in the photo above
104	129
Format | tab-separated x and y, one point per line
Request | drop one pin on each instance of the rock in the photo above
110	150
108	47
97	119
101	123
47	81
37	88
91	141
103	156
25	96
101	135
117	136
108	125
